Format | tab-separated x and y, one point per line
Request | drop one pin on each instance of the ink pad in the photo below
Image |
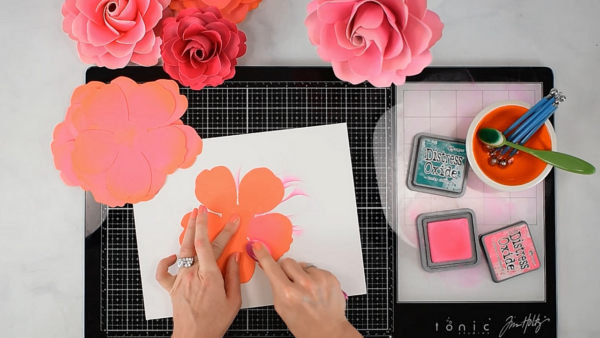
510	251
438	165
447	240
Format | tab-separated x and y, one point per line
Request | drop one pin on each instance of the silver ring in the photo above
185	262
310	265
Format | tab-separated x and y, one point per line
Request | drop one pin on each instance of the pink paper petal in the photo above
130	12
94	151
178	49
224	32
79	28
150	106
153	15
91	10
88	59
395	43
135	34
330	49
312	6
148	59
167	54
314	26
398	62
90	50
119	25
99	35
70	7
191	72
378	35
101	195
417	35
186	22
146	44
158	181
113	62
343	72
234	48
432	20
106	108
193	145
383	80
130	177
367	64
127	85
340	34
368	15
119	50
418	8
144	5
181	102
334	11
67	25
213	67
417	64
164	148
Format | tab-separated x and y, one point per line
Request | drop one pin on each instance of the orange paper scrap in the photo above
121	140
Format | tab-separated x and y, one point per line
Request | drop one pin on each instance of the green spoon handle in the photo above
559	160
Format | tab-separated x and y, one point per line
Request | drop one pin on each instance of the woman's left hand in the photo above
204	303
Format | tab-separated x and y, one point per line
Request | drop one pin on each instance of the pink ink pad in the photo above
447	240
510	251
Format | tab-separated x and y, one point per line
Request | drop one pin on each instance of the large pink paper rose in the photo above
112	33
381	41
201	48
121	140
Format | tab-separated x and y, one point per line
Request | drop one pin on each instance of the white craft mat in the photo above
448	109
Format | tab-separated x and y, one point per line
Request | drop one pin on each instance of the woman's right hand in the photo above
309	300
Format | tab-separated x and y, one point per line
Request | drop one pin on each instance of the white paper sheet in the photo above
330	238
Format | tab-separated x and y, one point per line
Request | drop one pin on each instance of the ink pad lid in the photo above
510	251
447	240
438	165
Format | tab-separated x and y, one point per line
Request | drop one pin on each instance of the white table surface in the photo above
41	219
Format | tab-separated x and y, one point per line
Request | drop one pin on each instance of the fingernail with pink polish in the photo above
345	295
201	210
194	213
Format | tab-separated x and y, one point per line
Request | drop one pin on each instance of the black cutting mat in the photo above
295	97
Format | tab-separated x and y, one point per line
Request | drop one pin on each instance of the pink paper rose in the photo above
381	41
201	48
111	33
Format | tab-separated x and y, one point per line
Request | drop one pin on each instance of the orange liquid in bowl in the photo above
525	168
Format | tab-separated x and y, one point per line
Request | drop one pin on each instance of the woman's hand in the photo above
204	304
309	300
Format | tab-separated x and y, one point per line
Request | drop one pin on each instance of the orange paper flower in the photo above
260	191
121	140
233	10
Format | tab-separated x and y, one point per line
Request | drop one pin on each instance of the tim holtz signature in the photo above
530	321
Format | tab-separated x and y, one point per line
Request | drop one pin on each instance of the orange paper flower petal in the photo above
150	105
105	108
164	148
260	191
94	151
216	190
275	230
130	177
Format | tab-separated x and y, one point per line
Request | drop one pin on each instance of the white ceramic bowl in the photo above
475	166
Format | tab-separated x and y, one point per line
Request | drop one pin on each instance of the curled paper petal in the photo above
260	191
121	140
114	33
201	47
379	41
232	10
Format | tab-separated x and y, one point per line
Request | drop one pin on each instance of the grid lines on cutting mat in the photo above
249	107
